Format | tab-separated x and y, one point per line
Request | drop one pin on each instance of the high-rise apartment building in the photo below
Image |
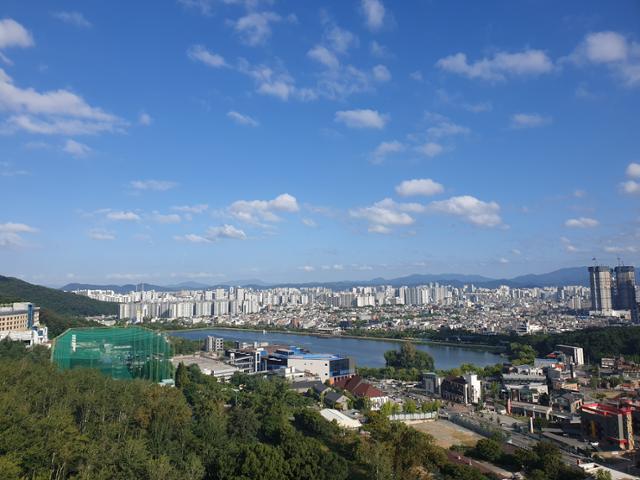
600	279
625	297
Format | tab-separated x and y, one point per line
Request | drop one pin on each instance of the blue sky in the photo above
217	140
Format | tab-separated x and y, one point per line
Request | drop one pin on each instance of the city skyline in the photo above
215	140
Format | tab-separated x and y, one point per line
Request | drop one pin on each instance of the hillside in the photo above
59	310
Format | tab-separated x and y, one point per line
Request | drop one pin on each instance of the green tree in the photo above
409	406
488	449
409	358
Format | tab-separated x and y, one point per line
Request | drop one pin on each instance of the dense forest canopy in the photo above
79	424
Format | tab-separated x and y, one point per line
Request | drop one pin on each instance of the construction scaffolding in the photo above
119	352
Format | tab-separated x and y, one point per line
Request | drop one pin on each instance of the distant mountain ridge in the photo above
556	278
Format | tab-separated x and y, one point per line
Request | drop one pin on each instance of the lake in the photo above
366	352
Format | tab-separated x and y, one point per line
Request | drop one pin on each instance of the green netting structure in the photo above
119	352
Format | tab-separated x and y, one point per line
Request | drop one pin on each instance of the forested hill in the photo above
59	310
62	303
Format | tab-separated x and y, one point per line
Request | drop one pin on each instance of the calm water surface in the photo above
367	353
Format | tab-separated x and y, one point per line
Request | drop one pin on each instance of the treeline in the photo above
79	424
597	342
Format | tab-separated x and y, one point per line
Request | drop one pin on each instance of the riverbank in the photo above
420	341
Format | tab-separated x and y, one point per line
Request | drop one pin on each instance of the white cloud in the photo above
257	211
145	119
618	249
612	50
52	112
278	84
419	186
579	193
582	222
101	234
500	66
604	47
324	56
200	54
630	187
569	247
57	126
121	216
381	73
309	222
193	209
378	50
11	234
192	238
381	229
387	213
7	170
478	107
73	18
417	76
76	149
529	120
443	127
385	149
204	6
339	39
374	13
255	27
225	231
430	149
364	118
503	260
166	218
633	170
12	34
477	212
307	268
152	185
241	119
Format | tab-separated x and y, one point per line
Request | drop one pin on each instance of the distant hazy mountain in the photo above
561	277
118	288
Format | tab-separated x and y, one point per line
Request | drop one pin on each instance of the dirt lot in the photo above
447	433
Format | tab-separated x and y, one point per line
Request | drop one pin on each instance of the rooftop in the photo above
344	421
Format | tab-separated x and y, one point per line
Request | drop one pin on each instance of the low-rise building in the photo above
325	366
465	389
21	322
336	400
361	389
340	418
207	365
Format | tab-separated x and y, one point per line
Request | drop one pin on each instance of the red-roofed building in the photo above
361	389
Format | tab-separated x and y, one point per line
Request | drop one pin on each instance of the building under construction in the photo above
121	353
609	425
